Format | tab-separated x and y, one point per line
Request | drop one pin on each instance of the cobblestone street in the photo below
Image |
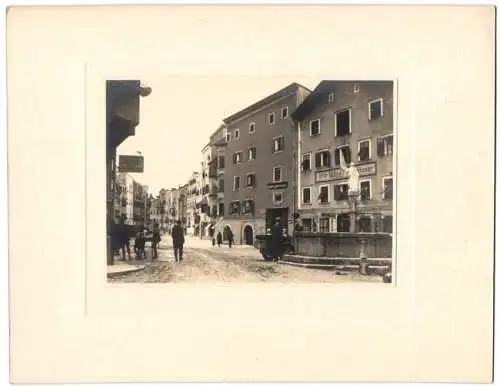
204	263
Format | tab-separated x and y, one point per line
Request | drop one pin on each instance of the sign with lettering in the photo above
338	174
131	164
277	185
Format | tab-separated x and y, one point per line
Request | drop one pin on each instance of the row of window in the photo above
342	119
251	179
271	120
278	146
248	207
340	191
322	158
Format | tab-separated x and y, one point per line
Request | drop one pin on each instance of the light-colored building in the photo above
193	194
155	209
182	207
354	119
217	167
124	199
206	216
140	203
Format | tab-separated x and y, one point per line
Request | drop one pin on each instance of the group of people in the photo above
121	234
218	238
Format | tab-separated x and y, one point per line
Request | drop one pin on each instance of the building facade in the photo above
192	198
155	210
140	204
351	121
182	211
217	182
259	166
124	198
204	204
122	117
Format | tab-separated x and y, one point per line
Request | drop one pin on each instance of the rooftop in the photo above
278	94
320	93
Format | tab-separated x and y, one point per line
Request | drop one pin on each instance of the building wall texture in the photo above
256	131
356	98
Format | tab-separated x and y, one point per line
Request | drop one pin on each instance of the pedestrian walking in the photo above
178	241
155	241
230	237
276	240
219	239
213	241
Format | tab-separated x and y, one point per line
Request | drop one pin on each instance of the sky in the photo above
180	114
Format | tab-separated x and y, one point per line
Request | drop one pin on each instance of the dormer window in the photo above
331	97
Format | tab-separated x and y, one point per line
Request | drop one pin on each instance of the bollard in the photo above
363	263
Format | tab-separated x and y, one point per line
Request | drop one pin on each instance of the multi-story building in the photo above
217	166
351	121
155	210
124	199
182	213
192	216
172	206
162	198
122	118
140	203
204	206
259	170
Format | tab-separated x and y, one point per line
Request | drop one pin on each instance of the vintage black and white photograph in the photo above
292	184
250	193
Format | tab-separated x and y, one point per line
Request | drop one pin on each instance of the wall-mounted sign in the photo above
131	164
277	185
338	173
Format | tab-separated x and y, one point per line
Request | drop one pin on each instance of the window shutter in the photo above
328	157
336	193
347	155
380	147
337	156
234	158
318	159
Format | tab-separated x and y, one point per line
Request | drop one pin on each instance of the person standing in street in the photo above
230	237
276	240
139	245
219	239
178	241
156	240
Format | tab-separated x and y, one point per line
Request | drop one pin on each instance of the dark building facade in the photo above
122	117
354	120
259	164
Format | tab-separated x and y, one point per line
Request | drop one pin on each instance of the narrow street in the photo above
242	264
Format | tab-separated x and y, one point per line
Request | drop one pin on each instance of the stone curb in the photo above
125	272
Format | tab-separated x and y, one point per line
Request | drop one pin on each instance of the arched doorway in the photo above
248	235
